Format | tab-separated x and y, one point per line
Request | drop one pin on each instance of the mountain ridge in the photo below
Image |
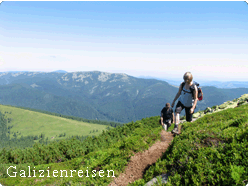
98	95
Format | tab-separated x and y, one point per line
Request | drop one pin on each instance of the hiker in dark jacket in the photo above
187	100
167	115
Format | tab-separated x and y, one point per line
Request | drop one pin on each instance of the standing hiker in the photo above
167	116
188	99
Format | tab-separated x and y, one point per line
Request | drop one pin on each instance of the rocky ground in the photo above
229	104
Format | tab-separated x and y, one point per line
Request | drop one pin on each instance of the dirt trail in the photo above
140	161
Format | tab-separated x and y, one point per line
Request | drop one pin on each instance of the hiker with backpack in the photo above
188	93
167	116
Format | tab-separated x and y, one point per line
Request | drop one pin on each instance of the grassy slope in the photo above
115	157
213	150
34	123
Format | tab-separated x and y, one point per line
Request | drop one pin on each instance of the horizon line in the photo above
141	76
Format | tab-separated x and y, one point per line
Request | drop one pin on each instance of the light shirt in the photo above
186	98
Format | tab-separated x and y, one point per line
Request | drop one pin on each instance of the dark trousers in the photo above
189	116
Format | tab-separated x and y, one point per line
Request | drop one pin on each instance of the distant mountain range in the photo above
60	71
228	84
98	95
176	82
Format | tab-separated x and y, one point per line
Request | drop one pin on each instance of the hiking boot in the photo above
175	130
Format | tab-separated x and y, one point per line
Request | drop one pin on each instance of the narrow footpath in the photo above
142	160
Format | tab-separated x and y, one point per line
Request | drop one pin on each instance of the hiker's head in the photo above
168	105
188	77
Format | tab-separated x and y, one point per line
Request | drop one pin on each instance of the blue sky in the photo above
159	39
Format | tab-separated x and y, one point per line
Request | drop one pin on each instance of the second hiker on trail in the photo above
188	93
167	116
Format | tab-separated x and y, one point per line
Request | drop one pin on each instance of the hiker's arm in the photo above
161	118
195	97
177	95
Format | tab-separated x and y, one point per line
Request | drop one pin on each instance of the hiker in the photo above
187	100
167	116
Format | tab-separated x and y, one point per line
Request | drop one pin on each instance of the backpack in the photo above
169	114
200	94
172	118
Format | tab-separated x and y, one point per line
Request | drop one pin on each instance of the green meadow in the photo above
30	123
